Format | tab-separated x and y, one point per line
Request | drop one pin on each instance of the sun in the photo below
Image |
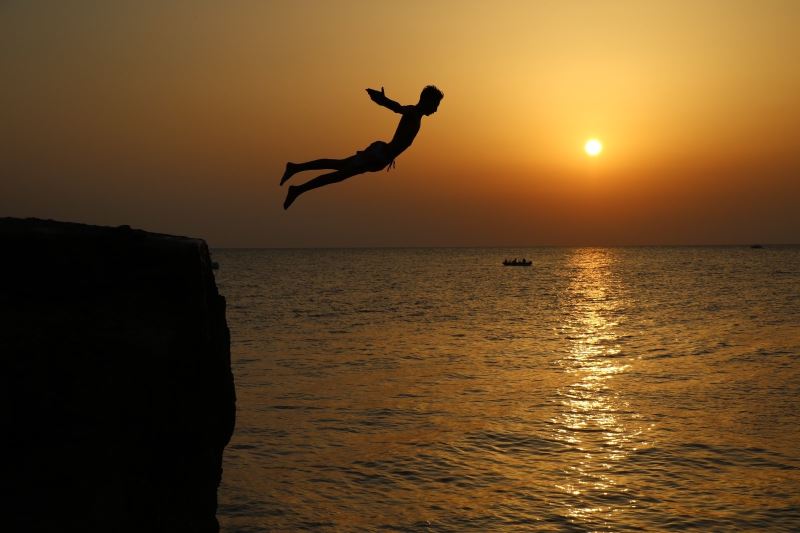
593	147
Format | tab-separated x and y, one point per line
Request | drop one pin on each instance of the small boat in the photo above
516	263
757	246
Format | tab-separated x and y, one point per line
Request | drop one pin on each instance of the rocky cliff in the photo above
119	397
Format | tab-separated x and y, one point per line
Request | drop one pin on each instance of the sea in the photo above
600	389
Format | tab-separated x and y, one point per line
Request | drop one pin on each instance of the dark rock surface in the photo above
119	397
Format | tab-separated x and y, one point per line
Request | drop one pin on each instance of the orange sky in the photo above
179	116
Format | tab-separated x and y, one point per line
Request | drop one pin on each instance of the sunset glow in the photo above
127	113
593	147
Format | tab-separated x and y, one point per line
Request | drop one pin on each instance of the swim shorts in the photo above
375	157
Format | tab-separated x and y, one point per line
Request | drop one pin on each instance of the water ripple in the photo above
627	389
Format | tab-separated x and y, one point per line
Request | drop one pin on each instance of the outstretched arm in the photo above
380	98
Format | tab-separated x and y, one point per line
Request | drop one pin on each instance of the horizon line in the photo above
400	247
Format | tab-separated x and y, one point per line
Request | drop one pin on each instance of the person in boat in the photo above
376	156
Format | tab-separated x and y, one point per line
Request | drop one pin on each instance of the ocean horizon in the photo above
505	247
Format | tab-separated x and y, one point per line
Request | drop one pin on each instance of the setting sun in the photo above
593	147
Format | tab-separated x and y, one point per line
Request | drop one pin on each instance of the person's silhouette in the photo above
376	156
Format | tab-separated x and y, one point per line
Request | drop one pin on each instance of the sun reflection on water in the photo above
592	416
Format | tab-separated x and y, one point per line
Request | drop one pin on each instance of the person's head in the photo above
429	100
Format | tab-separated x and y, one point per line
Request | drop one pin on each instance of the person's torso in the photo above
406	131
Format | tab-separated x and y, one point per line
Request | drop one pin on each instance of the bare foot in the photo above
291	169
291	196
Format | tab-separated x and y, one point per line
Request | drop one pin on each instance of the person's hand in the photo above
375	95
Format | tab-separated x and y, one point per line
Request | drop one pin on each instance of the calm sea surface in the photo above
602	389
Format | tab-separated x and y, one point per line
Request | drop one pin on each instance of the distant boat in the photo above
756	246
515	263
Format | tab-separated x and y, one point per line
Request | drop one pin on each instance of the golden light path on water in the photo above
595	418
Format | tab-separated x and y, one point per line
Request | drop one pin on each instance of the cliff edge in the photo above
116	367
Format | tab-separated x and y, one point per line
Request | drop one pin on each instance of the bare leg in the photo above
317	164
319	181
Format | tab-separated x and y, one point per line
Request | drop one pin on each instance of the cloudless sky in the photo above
178	117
